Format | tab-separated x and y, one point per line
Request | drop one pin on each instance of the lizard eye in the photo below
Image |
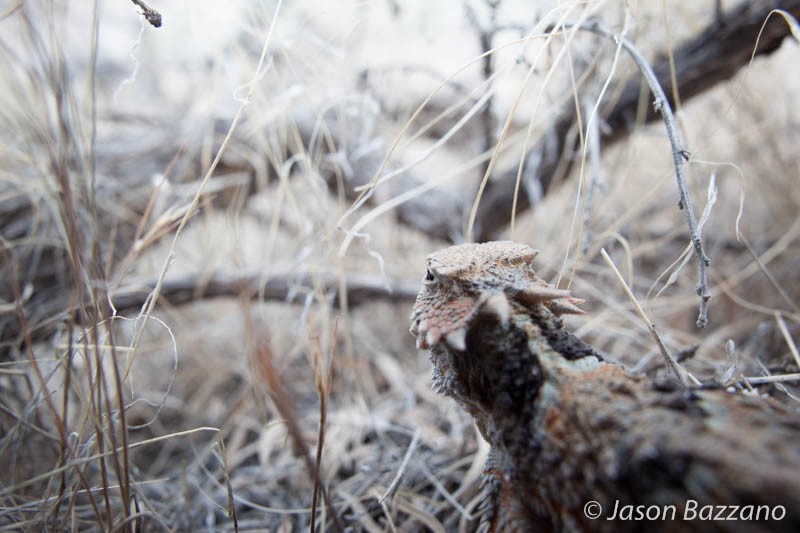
429	278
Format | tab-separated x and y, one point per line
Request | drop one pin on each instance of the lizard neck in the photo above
508	372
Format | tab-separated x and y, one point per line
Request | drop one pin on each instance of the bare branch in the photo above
714	55
152	16
679	154
287	288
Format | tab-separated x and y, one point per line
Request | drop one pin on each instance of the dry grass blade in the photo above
323	380
684	378
788	337
262	359
426	518
220	453
763	268
190	211
504	132
757	380
403	464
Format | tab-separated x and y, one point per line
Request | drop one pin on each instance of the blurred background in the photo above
212	233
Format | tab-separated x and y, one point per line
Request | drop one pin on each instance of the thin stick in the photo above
679	155
280	287
151	15
393	485
443	491
759	380
683	376
787	337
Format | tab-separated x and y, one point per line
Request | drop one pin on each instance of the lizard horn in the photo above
536	294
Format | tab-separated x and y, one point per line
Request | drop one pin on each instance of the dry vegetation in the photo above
216	162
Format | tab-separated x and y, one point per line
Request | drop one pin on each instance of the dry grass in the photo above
183	158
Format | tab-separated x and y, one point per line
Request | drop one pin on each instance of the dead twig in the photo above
152	16
186	289
403	464
679	156
713	56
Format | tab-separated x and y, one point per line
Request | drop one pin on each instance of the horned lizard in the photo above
568	430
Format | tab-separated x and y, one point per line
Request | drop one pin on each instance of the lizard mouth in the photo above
427	336
450	323
431	332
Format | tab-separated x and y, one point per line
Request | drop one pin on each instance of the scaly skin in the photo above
566	428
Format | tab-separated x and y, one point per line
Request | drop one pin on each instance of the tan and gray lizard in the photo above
573	436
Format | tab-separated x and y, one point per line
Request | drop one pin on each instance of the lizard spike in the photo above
529	255
433	336
536	294
497	306
421	326
457	339
444	273
566	306
421	343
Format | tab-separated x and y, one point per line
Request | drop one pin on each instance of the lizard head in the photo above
469	279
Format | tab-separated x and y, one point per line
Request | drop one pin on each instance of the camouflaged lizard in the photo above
567	428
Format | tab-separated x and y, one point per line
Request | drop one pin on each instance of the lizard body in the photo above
567	428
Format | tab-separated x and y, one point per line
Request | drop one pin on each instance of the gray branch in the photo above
679	155
712	56
285	288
